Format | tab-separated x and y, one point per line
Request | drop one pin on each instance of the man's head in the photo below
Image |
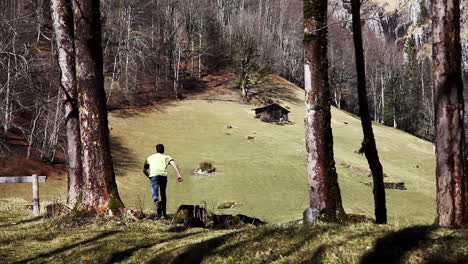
160	148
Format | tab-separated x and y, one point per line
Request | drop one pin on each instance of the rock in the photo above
311	215
250	137
292	223
227	205
200	172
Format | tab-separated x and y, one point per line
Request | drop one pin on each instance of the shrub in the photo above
206	166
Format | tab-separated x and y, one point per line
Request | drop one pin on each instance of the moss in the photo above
76	212
115	203
321	108
68	15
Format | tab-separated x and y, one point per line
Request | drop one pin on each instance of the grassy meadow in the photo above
265	176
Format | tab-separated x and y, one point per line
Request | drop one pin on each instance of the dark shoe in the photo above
164	216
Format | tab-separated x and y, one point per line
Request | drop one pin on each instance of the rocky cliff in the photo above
396	20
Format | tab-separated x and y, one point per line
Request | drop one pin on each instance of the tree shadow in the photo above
178	229
220	246
194	253
127	253
63	249
30	220
123	157
393	247
317	256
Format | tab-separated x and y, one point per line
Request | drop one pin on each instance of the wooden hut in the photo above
272	113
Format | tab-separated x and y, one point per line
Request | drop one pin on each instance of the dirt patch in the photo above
18	165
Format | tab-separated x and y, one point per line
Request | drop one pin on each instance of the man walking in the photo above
155	170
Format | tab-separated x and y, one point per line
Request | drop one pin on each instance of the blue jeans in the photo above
161	182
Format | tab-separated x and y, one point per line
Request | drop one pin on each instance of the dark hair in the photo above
160	148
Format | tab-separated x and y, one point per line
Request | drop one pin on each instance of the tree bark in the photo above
368	145
452	181
100	194
62	16
324	189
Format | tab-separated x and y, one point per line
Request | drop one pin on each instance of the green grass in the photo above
24	239
266	176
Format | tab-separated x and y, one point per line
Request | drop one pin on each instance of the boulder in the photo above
311	215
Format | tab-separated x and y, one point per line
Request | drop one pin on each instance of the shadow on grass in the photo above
194	253
221	246
178	229
125	254
30	220
317	256
63	249
392	248
123	158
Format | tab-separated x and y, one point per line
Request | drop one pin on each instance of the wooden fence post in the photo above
35	188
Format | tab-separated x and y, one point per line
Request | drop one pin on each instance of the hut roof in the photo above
270	106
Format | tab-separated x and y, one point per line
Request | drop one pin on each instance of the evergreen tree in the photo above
411	104
423	14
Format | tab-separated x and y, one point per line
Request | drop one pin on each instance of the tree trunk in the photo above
62	15
452	182
100	194
368	145
324	189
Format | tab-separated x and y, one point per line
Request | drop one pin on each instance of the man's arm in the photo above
145	169
179	177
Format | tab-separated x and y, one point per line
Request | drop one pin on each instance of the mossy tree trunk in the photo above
62	16
452	181
100	194
324	189
369	147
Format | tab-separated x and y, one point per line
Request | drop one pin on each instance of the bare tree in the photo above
368	145
100	194
62	16
324	190
452	182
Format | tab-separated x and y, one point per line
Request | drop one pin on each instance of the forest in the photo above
156	50
90	88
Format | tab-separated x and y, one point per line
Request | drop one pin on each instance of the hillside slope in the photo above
265	176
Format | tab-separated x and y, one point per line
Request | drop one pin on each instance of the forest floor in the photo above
28	239
265	176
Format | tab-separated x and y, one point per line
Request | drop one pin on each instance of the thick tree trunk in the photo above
324	189
452	182
62	16
100	194
368	145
